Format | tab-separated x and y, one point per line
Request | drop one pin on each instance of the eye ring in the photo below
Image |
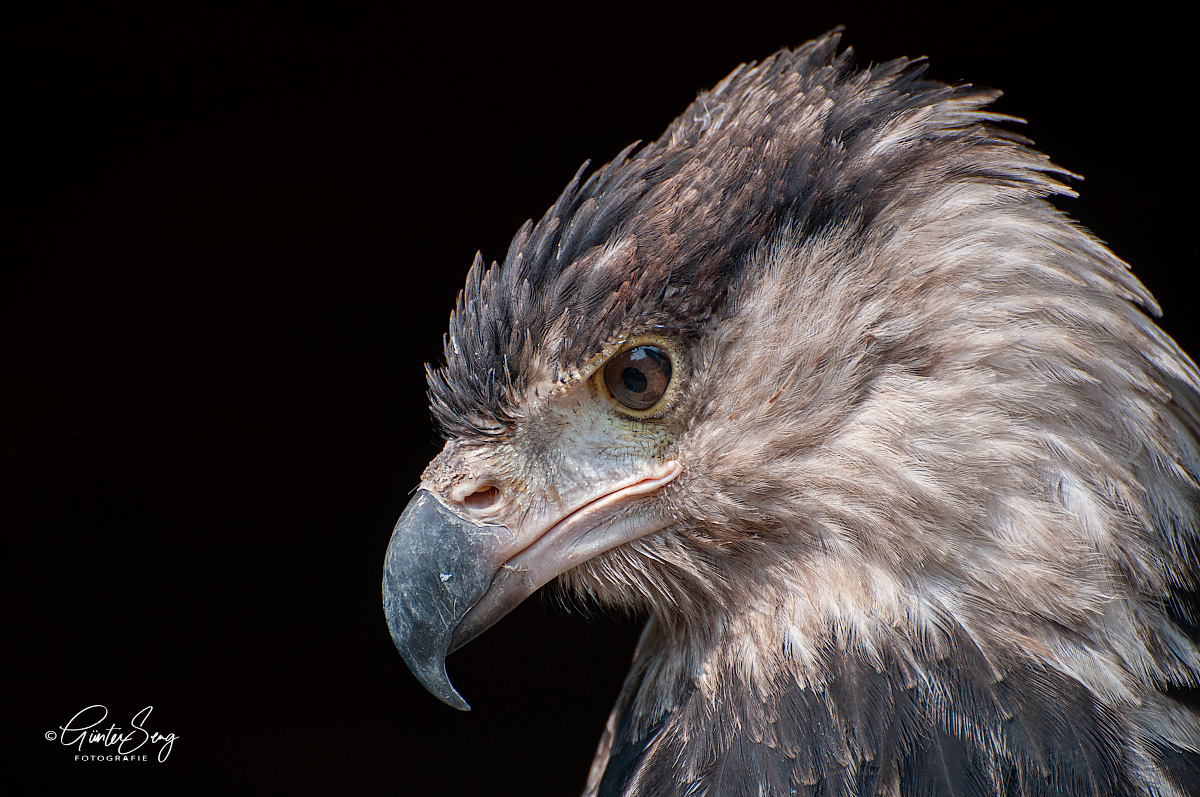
638	377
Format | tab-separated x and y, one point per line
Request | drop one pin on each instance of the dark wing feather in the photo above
1181	766
949	726
626	752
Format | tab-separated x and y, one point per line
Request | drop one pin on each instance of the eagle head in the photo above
883	445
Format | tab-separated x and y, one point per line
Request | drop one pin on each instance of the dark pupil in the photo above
635	380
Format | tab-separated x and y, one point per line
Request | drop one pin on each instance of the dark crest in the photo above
657	237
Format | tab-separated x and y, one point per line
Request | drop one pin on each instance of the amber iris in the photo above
638	377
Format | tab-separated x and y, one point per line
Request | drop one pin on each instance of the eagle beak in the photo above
448	578
439	564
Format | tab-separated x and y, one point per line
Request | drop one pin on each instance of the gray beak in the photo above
438	567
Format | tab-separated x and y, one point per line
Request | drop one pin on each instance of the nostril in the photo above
482	499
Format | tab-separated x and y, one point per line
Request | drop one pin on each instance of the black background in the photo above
238	238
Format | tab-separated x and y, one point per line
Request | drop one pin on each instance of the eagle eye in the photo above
638	377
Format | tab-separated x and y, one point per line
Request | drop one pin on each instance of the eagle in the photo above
886	449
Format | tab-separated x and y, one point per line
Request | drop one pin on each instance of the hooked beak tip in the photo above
438	566
429	666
